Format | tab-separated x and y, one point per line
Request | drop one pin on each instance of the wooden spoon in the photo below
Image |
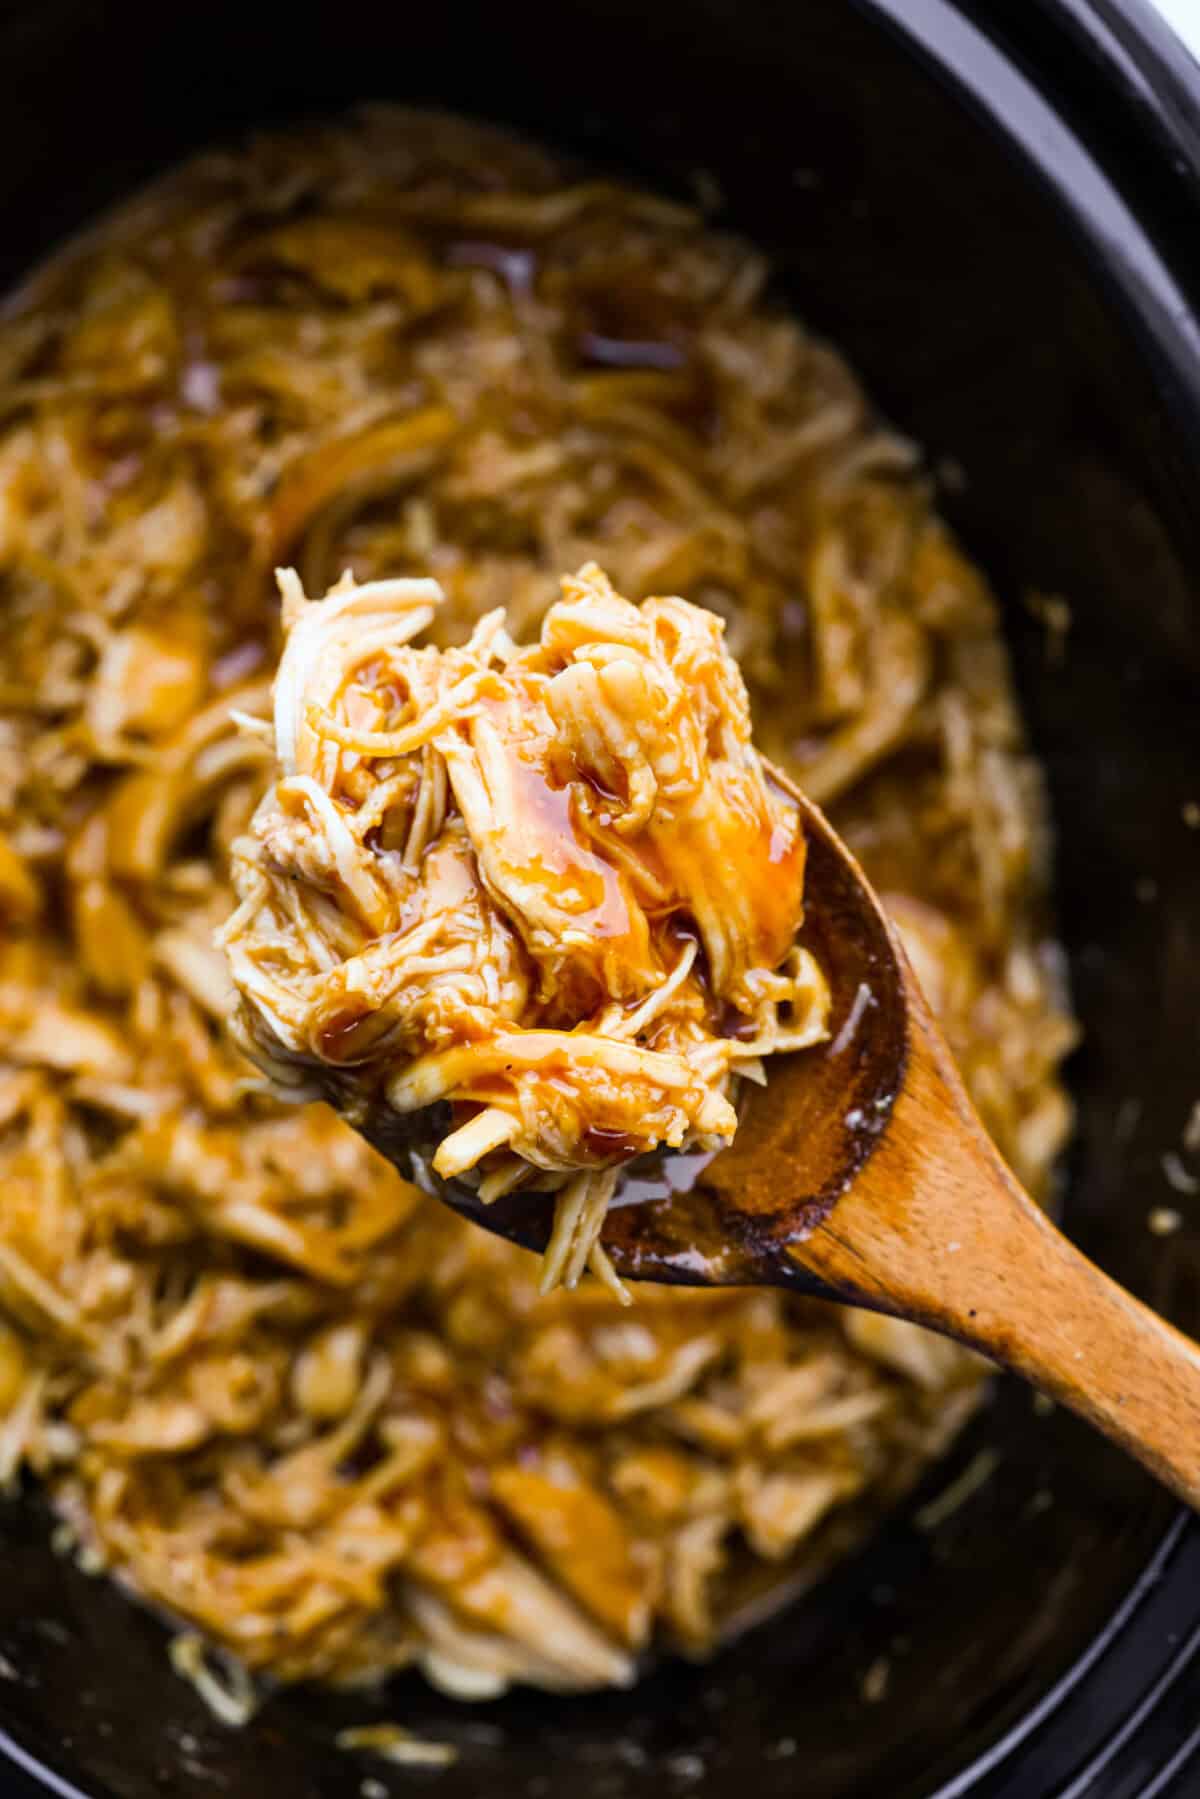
862	1173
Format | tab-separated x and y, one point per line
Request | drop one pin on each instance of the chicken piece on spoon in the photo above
532	908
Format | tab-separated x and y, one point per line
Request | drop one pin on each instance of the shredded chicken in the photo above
323	1425
553	887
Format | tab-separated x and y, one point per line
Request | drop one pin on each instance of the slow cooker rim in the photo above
1135	45
1135	111
1087	154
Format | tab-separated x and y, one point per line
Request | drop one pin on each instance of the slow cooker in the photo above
993	209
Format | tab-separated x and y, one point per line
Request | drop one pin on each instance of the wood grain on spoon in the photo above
861	1172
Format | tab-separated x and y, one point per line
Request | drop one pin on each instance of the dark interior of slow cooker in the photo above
902	230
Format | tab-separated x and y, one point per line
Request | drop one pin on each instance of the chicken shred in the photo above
553	888
326	1428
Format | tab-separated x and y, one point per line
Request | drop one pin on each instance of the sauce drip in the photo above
629	353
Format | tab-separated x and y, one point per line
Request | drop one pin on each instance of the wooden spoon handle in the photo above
936	1228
